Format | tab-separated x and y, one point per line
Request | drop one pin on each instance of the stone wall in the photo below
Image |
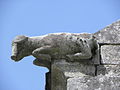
102	72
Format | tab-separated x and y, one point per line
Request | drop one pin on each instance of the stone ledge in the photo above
61	71
74	69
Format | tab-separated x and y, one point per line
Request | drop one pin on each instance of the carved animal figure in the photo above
53	46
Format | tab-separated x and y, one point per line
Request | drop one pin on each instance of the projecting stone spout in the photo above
47	48
52	49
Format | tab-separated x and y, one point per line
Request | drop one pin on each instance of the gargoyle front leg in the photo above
84	54
78	56
42	53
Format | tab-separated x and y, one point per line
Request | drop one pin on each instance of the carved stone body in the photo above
53	46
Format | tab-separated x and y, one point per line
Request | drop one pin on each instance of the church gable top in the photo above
109	34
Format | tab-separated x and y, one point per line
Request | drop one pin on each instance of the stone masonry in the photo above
102	73
75	63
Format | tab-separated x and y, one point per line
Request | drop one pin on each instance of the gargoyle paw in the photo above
69	58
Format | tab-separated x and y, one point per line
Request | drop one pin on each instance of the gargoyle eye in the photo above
80	39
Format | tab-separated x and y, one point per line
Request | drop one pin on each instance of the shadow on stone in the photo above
101	69
48	81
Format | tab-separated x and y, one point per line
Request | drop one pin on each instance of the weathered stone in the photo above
94	83
108	78
96	57
75	69
108	69
78	83
110	54
62	70
79	52
58	79
76	61
54	46
110	34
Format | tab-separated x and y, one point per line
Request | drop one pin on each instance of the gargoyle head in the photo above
19	49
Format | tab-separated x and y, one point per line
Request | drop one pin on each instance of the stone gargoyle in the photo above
54	46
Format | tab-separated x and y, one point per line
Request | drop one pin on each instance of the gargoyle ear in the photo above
20	39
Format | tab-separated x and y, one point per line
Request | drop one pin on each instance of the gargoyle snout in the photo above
13	57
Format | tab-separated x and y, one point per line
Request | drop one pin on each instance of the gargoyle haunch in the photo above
54	46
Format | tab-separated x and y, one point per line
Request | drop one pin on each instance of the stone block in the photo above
74	69
77	83
110	54
79	76
101	82
62	70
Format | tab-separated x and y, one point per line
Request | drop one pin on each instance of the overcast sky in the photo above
39	17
